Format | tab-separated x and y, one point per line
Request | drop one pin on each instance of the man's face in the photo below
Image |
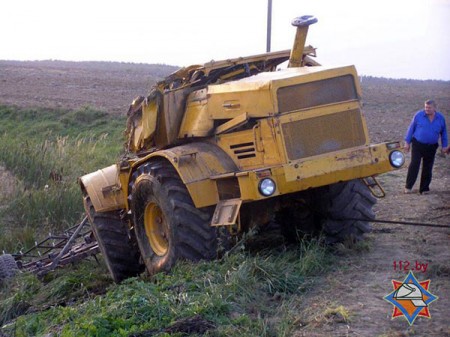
429	109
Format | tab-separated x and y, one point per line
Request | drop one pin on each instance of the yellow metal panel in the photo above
249	187
137	136
258	147
232	124
226	212
241	148
103	187
196	164
203	193
229	100
331	168
142	121
170	117
196	121
269	142
149	118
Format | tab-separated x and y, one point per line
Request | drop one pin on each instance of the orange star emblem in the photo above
411	298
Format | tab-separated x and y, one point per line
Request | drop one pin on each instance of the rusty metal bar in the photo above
69	242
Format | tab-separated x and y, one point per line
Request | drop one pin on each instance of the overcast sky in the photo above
386	38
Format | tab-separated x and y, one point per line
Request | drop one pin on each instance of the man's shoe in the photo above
425	192
408	190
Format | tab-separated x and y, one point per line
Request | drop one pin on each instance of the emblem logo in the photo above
411	298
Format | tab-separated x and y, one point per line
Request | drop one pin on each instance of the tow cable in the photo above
407	223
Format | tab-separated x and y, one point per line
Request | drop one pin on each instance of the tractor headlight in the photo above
397	158
267	187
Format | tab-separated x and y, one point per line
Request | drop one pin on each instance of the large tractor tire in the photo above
119	250
341	212
348	208
167	224
8	266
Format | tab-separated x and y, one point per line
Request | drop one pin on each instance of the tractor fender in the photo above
104	189
197	164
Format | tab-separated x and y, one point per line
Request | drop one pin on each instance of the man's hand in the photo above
446	150
406	147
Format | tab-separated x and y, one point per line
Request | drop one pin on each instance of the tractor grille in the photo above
327	133
311	94
244	150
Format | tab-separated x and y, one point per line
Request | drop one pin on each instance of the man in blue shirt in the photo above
423	134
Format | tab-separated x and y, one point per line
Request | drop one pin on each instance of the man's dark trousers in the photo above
419	152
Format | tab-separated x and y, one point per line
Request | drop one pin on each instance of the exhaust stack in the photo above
302	23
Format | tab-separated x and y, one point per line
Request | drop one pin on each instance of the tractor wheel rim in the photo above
156	229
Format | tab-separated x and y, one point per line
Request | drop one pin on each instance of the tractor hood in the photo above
282	91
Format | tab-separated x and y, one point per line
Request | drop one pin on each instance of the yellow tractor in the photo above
219	148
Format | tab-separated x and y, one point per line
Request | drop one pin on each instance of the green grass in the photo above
241	295
36	143
50	123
